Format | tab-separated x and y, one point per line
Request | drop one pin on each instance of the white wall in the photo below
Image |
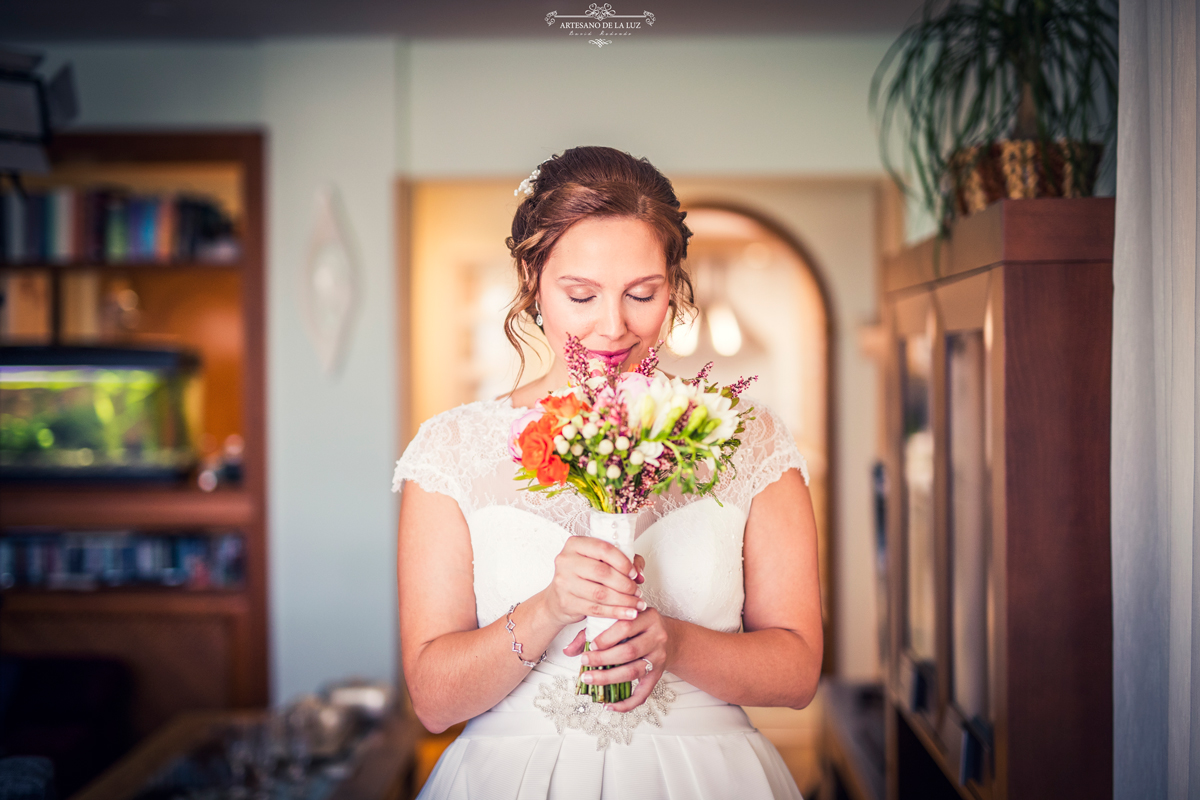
329	108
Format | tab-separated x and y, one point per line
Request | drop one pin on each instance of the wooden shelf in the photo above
98	507
114	266
189	649
125	601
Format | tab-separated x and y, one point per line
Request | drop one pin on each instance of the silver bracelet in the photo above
516	646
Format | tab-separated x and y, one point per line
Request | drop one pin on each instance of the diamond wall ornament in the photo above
329	282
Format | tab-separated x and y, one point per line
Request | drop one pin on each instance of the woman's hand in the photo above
593	578
626	644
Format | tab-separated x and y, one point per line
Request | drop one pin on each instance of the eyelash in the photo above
631	297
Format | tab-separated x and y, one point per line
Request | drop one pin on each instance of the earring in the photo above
538	319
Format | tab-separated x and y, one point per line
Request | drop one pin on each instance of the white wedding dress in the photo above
541	741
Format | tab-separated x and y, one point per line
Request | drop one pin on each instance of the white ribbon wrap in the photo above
616	529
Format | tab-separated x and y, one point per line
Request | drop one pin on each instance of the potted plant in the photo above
998	98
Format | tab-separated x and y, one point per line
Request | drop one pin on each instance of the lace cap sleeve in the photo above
431	459
768	450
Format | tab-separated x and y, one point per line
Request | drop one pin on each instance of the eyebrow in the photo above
635	282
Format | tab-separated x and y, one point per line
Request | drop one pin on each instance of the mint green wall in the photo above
760	105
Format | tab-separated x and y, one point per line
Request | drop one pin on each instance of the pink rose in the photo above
632	385
518	427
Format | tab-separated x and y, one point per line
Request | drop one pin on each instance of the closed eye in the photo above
631	297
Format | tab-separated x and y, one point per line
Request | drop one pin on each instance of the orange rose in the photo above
549	425
564	407
554	471
537	446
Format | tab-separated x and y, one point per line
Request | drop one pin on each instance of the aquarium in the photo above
98	413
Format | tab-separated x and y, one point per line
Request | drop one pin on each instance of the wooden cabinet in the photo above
188	648
997	390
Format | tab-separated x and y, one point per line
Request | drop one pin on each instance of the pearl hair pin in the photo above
526	185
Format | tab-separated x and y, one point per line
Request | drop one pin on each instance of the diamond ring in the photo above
649	666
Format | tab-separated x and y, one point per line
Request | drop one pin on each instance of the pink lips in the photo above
613	357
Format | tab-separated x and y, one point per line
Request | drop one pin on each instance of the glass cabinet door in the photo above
969	522
917	458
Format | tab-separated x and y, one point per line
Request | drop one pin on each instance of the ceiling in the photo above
55	20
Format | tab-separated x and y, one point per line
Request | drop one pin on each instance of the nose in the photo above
611	324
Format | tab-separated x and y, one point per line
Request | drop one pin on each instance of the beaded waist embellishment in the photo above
557	700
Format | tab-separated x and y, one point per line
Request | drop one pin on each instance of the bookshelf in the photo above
189	648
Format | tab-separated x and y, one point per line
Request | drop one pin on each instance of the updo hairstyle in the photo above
585	182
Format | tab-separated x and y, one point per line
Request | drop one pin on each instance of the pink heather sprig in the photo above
579	371
650	362
702	375
575	355
741	384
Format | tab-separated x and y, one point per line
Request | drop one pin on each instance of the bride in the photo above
720	607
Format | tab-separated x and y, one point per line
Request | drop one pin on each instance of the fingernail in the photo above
584	660
641	605
633	573
631	614
587	677
608	707
637	590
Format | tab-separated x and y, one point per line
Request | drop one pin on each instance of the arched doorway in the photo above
763	310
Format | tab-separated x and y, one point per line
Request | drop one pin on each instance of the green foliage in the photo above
973	73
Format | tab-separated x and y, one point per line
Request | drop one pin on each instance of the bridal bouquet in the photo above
619	438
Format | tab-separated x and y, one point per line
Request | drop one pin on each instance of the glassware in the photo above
300	719
239	751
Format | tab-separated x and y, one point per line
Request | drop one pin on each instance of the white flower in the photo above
561	445
728	426
569	432
636	458
577	421
622	443
590	430
649	449
591	467
643	414
576	449
719	408
567	391
596	381
613	472
605	447
668	413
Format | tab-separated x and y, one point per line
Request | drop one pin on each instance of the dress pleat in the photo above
636	772
579	773
651	767
535	784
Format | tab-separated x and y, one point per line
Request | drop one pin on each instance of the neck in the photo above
530	393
